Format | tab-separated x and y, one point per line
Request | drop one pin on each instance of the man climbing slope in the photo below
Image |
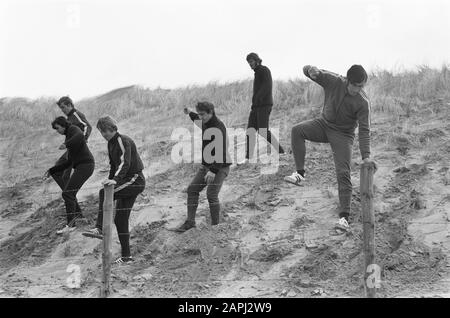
346	106
74	117
126	175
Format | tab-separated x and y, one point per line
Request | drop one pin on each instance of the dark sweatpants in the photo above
212	193
259	120
62	177
125	195
341	144
80	174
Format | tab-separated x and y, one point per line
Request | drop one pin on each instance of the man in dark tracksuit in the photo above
346	106
128	179
76	118
80	158
215	167
262	102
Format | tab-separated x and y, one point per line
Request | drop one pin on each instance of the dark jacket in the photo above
77	150
209	132
75	117
262	87
342	111
124	159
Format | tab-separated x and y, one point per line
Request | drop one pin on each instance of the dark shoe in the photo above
186	226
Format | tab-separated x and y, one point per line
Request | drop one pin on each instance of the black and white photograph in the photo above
225	154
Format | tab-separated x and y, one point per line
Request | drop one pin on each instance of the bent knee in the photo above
344	176
298	131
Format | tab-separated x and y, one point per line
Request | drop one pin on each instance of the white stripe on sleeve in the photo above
85	125
126	184
122	157
363	94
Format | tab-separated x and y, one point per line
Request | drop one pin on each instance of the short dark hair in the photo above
107	123
65	100
61	121
356	74
205	107
254	56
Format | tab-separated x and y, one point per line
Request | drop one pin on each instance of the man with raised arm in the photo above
346	106
215	164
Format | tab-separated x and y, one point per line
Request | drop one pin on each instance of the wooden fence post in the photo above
371	280
107	239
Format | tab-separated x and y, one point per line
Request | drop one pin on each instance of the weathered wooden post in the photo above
371	270
107	239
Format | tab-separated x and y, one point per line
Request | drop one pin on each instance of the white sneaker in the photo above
295	178
342	224
66	229
124	260
242	162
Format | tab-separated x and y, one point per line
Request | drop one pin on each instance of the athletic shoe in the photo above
94	233
295	178
283	156
66	229
122	260
186	226
342	225
242	162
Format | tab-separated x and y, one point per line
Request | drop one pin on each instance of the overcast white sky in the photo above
85	48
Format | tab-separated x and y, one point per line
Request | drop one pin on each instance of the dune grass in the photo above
149	115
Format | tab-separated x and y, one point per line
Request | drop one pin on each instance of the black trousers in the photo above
62	177
79	176
212	193
125	195
259	121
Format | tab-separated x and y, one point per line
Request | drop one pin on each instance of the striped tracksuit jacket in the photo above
81	159
77	118
126	170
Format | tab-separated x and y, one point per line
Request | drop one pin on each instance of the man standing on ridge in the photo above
262	102
346	106
74	116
